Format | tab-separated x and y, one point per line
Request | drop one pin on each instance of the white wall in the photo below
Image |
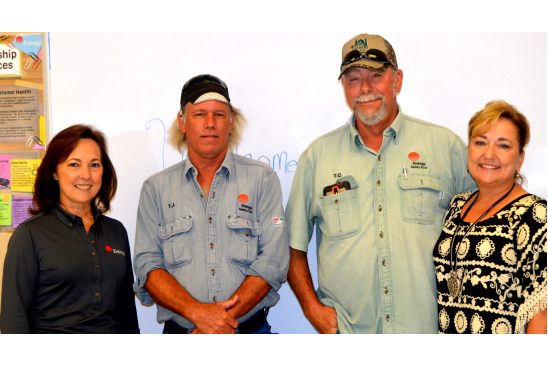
286	85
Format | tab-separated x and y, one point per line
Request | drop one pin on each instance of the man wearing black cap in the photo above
211	247
378	189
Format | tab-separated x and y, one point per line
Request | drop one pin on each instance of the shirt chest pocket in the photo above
341	214
419	197
244	239
176	241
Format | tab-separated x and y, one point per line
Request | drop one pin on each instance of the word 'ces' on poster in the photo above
23	174
19	113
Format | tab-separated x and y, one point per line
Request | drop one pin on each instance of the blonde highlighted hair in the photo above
177	139
494	110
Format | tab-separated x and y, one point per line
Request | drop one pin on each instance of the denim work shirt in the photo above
375	241
211	246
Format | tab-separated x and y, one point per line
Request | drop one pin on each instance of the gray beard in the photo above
373	117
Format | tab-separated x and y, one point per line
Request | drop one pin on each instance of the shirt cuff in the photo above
271	274
139	284
297	245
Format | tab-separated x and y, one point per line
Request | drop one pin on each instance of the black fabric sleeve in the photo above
125	298
20	273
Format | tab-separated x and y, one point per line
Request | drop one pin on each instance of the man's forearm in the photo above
300	280
168	293
250	293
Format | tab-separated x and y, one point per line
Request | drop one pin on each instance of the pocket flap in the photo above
239	223
181	225
417	181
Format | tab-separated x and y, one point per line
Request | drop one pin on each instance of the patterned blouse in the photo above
502	263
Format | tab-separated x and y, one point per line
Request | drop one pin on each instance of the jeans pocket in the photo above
340	214
176	241
244	238
419	197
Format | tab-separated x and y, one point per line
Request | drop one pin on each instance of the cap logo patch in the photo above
360	45
242	198
414	156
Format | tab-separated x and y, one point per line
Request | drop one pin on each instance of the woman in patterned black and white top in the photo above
490	258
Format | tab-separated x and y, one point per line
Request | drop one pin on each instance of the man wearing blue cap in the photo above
211	247
377	188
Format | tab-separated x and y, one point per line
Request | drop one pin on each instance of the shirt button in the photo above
94	253
387	318
201	195
379	157
381	235
70	224
247	234
211	245
96	280
214	299
210	219
337	201
385	290
383	263
380	208
379	182
193	171
213	272
92	241
96	294
96	266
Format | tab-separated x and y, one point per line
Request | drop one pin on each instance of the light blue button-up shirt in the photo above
211	245
375	241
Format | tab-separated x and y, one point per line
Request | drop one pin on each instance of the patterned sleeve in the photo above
531	254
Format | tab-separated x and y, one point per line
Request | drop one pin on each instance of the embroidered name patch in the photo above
278	222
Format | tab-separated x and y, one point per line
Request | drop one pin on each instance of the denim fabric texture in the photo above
211	245
374	241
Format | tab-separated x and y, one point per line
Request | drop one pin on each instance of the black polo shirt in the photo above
58	278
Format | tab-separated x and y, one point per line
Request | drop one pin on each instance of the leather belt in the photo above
249	326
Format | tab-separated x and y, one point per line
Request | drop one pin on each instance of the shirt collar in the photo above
395	129
227	166
68	219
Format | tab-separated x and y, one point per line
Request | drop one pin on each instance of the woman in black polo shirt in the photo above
68	268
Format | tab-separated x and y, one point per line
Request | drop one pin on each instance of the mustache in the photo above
368	97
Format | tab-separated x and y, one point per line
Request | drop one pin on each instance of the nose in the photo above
365	86
210	121
85	173
490	152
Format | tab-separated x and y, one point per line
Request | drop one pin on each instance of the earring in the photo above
517	174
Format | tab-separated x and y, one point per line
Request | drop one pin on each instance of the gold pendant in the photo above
454	284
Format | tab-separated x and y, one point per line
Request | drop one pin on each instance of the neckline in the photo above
494	214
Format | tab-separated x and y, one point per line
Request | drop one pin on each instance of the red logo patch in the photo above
413	156
243	198
108	248
19	39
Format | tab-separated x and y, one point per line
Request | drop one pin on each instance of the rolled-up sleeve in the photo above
148	255
20	273
273	247
300	220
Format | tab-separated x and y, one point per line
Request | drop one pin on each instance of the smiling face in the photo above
80	176
207	126
372	94
493	156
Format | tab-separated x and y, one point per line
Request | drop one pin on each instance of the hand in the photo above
213	318
324	319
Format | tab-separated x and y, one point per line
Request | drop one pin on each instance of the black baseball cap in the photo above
203	88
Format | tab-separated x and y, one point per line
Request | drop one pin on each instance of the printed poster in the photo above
5	209
5	171
23	174
19	114
20	209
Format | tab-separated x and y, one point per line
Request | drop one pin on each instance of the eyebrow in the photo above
79	160
501	139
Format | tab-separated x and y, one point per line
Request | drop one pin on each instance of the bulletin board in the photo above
23	121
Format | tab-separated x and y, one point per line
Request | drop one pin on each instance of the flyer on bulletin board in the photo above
20	209
5	171
23	174
5	209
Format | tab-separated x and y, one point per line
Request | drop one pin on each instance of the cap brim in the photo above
210	96
368	64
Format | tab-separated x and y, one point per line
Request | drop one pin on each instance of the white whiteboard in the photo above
286	85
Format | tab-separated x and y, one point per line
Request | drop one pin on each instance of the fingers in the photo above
229	303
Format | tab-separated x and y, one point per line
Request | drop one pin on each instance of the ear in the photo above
180	121
399	80
231	124
520	161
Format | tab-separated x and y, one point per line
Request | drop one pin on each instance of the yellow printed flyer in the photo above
23	174
5	209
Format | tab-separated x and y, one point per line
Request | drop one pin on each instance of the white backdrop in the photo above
286	85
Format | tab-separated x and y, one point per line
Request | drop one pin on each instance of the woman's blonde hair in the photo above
177	138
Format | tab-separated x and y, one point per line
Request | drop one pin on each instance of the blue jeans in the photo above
262	330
